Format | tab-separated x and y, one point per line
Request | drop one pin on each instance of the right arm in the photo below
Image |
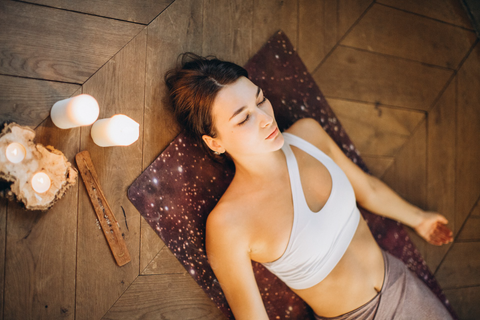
228	253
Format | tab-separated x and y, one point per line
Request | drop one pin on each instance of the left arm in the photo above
373	194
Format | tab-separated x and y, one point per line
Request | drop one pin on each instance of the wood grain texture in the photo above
41	247
28	101
471	229
376	129
227	29
441	166
363	76
409	176
130	10
52	44
269	16
378	166
178	29
321	24
465	302
3	238
468	133
171	296
317	33
450	11
461	267
393	32
164	263
119	89
348	12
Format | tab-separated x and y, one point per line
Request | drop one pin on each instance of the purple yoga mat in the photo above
178	190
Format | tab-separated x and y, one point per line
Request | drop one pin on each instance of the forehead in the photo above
234	96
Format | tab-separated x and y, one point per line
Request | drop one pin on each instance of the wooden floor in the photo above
403	77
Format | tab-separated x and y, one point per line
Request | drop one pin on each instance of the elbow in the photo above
369	192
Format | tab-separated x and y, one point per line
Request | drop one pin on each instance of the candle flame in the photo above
15	151
40	180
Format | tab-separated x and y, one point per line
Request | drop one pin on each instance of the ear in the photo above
213	143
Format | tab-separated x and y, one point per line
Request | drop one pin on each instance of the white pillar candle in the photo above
41	182
81	110
118	130
15	152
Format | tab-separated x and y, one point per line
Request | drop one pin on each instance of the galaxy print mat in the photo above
178	190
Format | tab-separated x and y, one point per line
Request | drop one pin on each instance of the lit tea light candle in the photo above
15	152
41	182
118	130
81	110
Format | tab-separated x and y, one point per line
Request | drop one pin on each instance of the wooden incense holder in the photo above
105	215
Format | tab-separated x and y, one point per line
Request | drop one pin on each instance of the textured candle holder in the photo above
37	158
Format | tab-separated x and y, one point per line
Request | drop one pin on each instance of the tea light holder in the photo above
15	152
41	182
38	175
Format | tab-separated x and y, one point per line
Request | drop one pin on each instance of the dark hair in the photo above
193	86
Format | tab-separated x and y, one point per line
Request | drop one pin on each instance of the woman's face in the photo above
244	121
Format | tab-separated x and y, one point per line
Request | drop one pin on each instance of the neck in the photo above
260	167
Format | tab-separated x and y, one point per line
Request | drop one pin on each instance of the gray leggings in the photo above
403	296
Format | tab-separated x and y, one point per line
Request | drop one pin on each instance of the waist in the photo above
356	279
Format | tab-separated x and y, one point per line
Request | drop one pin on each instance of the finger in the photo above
442	219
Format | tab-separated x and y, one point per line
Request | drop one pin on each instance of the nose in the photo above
265	119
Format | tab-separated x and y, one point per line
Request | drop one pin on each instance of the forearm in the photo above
383	201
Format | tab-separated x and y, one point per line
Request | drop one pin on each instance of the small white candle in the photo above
41	182
15	152
118	130
81	110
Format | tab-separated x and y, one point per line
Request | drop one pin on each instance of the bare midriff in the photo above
355	280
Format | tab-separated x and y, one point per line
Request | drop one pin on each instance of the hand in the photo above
433	229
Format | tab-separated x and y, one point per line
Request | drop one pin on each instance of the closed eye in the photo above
246	118
263	101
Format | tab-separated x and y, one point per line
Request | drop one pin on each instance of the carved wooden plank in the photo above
28	101
376	129
467	175
119	89
363	76
166	40
450	11
401	34
170	296
441	166
131	10
227	29
269	16
41	247
461	267
52	44
105	216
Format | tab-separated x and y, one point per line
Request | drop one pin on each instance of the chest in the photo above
273	219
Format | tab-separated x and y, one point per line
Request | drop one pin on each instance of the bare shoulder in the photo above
226	223
310	130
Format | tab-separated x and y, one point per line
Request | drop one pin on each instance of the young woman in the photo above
292	206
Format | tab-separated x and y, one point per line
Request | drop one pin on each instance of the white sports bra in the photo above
318	240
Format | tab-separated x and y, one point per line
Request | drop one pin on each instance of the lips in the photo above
273	134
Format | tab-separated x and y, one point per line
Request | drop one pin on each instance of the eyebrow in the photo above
239	110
